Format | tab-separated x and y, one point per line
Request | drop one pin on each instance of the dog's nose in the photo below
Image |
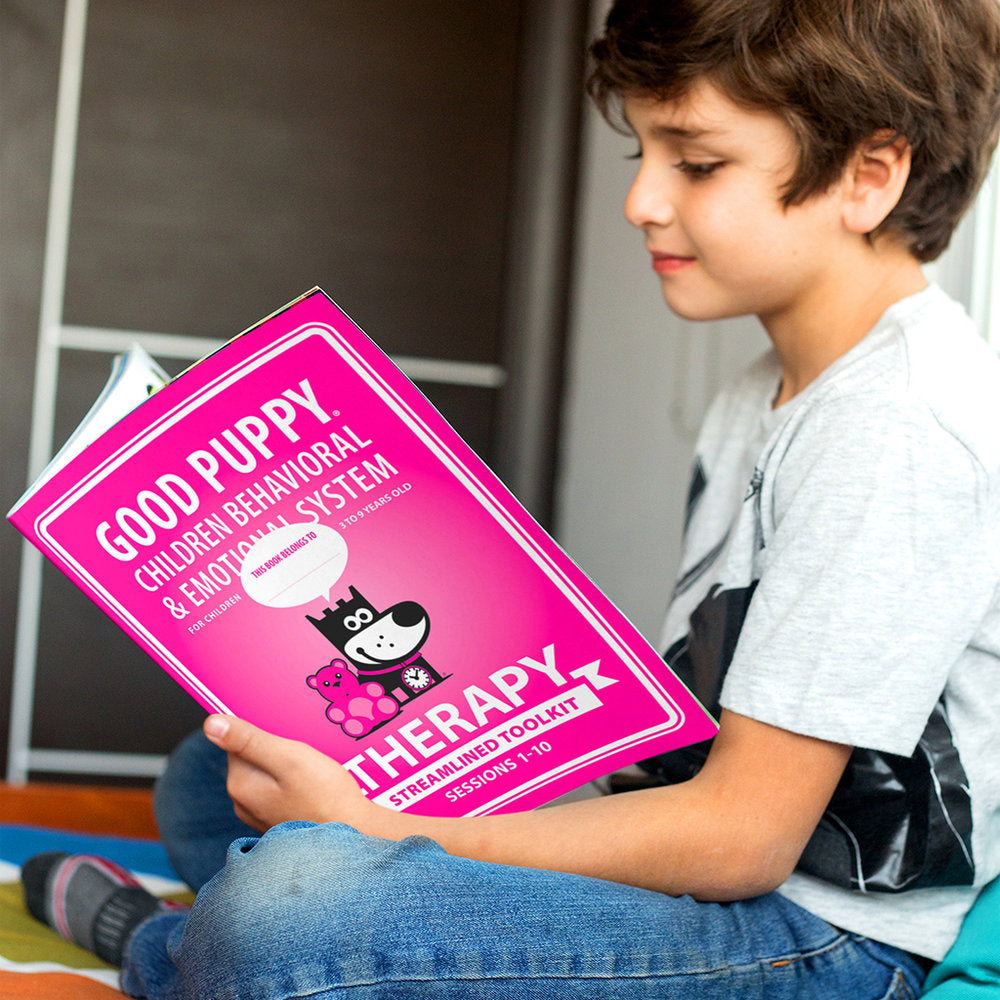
408	613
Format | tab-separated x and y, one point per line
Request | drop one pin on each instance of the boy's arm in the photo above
734	831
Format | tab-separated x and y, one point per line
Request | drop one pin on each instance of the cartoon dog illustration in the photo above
383	647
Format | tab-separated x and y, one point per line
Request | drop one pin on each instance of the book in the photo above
298	537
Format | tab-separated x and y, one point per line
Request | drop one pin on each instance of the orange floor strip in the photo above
125	812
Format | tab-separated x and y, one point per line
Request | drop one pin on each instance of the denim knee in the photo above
301	909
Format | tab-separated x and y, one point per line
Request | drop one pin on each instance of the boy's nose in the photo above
648	201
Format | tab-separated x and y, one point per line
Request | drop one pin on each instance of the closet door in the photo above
225	157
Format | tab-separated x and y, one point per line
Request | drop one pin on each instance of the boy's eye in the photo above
698	171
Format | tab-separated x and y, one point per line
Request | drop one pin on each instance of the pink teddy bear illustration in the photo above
357	708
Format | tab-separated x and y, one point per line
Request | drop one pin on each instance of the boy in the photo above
838	604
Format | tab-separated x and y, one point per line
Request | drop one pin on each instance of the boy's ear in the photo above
874	180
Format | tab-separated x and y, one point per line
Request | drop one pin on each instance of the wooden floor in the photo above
126	812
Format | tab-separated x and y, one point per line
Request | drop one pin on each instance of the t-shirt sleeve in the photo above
876	569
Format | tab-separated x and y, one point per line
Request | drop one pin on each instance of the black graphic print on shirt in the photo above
893	823
898	823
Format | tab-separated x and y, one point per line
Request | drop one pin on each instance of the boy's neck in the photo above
840	317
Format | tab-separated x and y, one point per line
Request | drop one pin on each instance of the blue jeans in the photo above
323	912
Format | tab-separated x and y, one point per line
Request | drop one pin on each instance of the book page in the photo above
134	377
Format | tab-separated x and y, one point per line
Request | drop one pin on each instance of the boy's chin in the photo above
701	312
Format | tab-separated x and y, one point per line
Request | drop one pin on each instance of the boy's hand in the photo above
272	779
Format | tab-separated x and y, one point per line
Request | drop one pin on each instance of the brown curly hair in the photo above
838	72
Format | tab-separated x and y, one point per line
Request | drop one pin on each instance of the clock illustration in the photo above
416	678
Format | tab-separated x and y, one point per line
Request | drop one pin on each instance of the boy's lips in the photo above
668	263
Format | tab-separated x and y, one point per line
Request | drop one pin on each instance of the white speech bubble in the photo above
293	565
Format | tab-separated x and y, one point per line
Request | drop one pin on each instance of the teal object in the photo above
971	969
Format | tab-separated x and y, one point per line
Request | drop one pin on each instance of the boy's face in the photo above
707	196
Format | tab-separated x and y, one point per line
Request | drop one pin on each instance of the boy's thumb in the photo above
237	736
217	727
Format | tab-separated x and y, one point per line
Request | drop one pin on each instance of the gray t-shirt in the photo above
841	579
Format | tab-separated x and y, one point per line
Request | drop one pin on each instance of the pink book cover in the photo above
299	538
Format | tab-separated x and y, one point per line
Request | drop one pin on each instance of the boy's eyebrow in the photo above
679	132
676	131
